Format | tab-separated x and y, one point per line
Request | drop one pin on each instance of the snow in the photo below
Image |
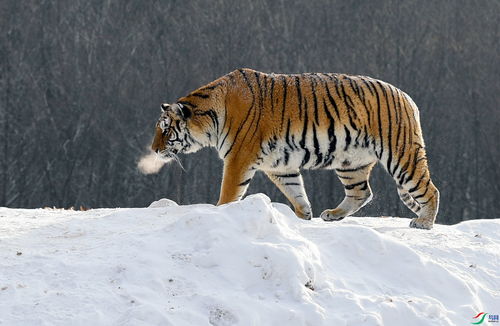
246	263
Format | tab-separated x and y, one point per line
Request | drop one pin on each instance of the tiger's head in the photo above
172	135
189	124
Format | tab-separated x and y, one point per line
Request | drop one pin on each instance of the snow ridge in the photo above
246	263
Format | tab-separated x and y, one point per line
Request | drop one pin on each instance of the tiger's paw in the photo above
330	215
304	214
421	223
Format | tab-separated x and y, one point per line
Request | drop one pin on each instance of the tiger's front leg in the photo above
235	181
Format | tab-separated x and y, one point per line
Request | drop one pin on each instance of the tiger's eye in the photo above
163	125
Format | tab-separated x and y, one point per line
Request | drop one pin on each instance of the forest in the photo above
81	84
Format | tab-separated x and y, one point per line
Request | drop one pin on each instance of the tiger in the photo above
281	124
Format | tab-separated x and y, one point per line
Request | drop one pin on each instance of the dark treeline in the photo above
81	82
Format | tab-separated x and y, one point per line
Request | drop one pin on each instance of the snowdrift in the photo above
246	263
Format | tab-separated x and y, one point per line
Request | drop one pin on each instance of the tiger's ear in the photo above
180	110
164	107
185	112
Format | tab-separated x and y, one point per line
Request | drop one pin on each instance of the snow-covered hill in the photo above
246	263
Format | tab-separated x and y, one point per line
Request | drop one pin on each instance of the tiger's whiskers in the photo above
167	156
178	160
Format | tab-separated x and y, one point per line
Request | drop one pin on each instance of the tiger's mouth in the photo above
167	154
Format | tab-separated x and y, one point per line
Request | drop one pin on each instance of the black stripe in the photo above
278	161
331	136
331	129
402	174
352	186
287	136
360	93
287	175
363	99
213	117
256	110
264	88
286	156
353	85
187	103
284	100
406	133
379	123
225	121
415	163
244	183
306	158
261	98
200	95
344	177
315	100
332	101
299	94
397	153
271	144
356	140
371	110
317	149
302	141
291	184
211	87
354	169
395	95
366	140
261	106
225	137
425	192
389	128
403	152
417	185
348	102
412	170
367	86
248	114
272	94
423	203
347	138
261	159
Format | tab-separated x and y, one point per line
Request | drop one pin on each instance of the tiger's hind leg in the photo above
408	200
357	192
292	186
426	195
418	192
429	201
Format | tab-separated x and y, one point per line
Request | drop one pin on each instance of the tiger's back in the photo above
281	123
311	117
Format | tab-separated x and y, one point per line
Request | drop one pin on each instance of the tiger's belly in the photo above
319	154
